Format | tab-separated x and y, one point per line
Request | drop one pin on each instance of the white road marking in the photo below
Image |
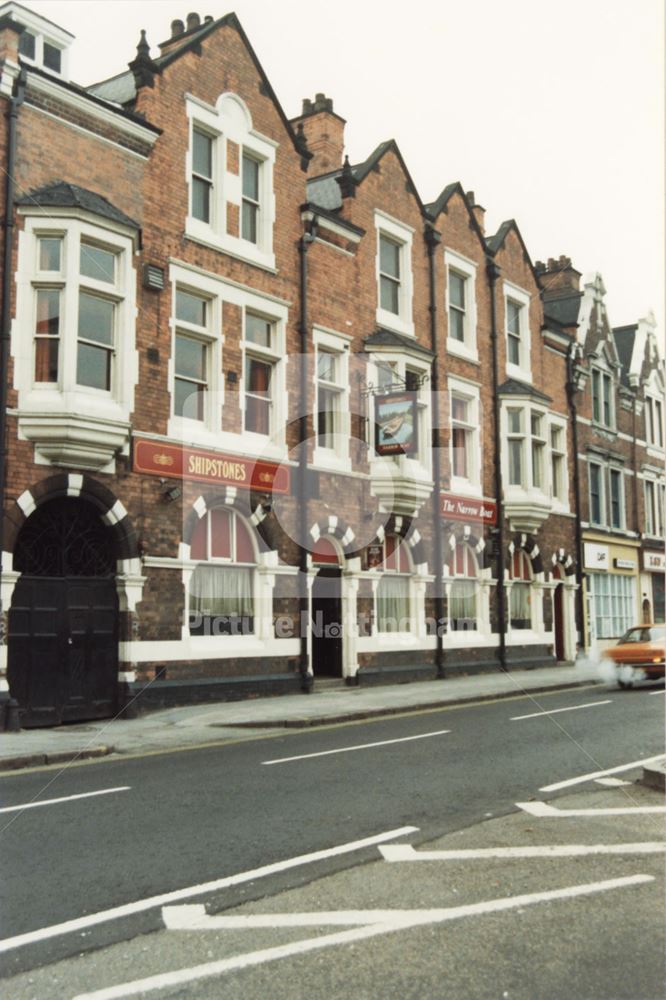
658	692
611	782
164	898
359	746
543	809
405	852
599	774
391	920
65	798
556	711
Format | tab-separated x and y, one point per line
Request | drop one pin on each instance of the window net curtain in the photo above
222	594
393	612
520	605
462	605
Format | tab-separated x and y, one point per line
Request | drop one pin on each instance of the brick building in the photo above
269	416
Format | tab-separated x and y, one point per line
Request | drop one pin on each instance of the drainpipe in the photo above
7	274
492	270
304	244
433	239
573	411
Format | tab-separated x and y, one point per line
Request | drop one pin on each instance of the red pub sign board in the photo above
179	462
456	508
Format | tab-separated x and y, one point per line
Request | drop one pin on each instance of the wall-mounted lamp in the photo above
170	492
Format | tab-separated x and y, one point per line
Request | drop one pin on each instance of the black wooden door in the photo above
327	623
63	649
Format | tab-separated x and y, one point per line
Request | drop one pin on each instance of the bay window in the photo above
516	443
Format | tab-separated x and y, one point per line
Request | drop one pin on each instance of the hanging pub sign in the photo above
396	424
179	462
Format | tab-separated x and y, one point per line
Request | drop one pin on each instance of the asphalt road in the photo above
183	819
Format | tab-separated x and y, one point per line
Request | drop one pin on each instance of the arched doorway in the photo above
326	611
63	620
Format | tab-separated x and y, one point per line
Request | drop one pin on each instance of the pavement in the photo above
194	726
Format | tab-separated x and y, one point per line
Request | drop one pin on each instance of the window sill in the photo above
465	487
328	461
462	350
521	374
397	324
232	246
198	435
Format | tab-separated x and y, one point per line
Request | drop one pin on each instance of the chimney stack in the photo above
558	278
478	210
324	134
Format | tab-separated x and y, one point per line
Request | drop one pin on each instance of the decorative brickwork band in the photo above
529	546
462	534
338	528
565	560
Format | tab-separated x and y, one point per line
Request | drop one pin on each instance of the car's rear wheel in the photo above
625	685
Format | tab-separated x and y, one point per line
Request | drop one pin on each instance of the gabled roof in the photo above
325	190
64	195
512	387
124	86
435	208
496	242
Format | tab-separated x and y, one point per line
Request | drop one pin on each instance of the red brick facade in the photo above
263	292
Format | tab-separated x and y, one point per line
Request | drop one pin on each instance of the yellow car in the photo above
639	655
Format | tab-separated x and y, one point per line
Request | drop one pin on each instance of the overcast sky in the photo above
552	113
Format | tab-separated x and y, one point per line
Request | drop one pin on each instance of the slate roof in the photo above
325	190
512	387
435	207
387	338
64	195
625	337
564	310
120	89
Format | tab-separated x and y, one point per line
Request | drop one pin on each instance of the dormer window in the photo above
41	42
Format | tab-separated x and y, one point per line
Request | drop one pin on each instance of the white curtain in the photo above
521	616
222	591
393	611
462	605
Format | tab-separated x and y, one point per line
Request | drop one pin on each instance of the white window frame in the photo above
654	497
210	433
221	561
230	121
275	356
613	603
526	487
338	345
621	498
206	335
466	269
453	579
606	381
654	421
43	31
402	235
407	577
560	500
523	370
467	485
116	402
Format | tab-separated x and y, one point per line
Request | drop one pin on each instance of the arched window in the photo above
393	592
520	601
222	585
463	598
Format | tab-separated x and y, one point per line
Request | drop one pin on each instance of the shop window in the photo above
613	603
221	591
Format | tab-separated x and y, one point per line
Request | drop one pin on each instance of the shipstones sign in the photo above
179	462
